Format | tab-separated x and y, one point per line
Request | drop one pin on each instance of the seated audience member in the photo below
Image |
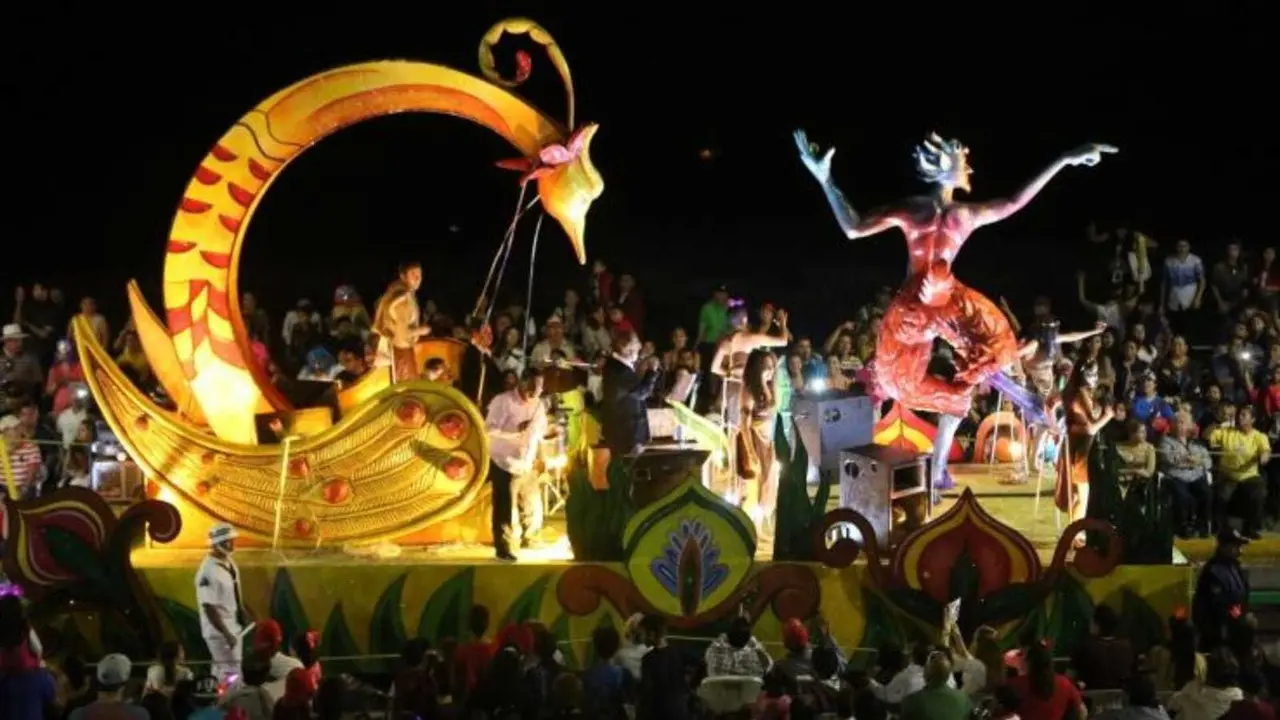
299	691
113	673
471	659
1185	464
1143	701
795	638
1238	480
413	691
664	692
737	653
606	685
1104	661
938	699
250	696
774	702
1211	698
633	648
165	675
1044	692
911	679
1251	706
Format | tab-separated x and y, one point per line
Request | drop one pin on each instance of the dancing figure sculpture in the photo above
932	303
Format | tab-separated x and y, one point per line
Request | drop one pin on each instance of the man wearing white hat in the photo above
218	593
18	368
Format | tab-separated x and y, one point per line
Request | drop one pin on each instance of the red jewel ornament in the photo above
153	489
524	66
452	427
411	414
455	468
298	467
303	527
203	487
337	491
141	423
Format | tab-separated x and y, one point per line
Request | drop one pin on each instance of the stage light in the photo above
817	385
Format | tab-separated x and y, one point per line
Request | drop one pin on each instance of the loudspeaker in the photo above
658	470
831	422
877	479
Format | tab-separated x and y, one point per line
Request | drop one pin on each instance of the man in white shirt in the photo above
1182	285
218	593
542	353
516	422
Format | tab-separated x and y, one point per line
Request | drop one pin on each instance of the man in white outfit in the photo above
218	593
516	423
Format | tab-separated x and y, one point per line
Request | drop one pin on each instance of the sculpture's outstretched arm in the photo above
853	225
997	210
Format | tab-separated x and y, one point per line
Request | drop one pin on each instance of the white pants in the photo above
226	658
526	505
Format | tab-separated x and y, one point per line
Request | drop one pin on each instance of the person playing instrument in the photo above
932	303
516	423
398	323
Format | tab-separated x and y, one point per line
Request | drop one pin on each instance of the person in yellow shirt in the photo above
1245	450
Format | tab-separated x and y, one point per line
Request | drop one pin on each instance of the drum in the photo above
551	450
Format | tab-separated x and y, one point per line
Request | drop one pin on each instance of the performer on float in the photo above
1040	356
398	323
759	412
729	363
1084	421
931	303
516	423
221	604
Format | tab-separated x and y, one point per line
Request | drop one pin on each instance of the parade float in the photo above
405	464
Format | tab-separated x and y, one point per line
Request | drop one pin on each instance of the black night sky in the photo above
110	111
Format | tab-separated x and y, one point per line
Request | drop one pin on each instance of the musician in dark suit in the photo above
624	420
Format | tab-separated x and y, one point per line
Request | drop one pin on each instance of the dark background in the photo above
110	110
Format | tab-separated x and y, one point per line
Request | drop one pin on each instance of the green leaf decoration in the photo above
73	641
1072	612
1142	624
336	641
597	519
560	628
917	605
964	579
119	637
386	630
186	628
1035	624
76	556
286	608
1008	603
528	604
881	625
792	539
445	614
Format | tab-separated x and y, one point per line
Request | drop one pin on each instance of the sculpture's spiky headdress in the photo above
938	161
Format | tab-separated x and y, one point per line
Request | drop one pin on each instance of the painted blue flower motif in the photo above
689	567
